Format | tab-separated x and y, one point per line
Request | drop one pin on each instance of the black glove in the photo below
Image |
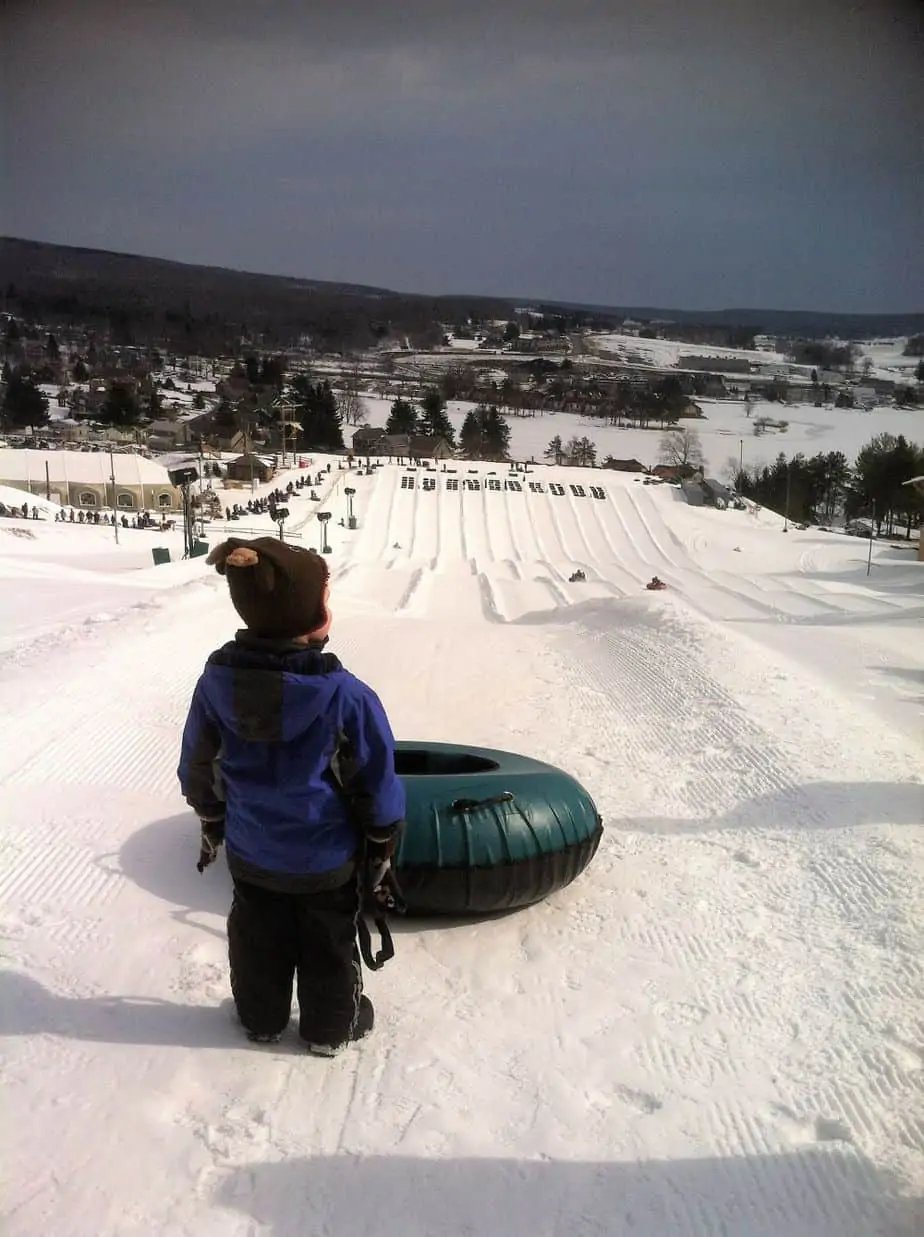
210	839
382	891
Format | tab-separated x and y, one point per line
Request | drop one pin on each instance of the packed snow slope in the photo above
717	1030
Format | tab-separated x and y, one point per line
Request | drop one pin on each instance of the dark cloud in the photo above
690	153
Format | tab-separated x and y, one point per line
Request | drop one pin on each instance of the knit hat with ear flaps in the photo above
277	589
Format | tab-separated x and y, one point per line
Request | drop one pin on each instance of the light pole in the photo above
280	515
189	532
351	519
788	488
740	458
323	517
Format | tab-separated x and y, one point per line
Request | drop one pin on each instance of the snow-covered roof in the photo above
82	467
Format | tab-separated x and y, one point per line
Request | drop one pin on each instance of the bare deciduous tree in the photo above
351	401
681	448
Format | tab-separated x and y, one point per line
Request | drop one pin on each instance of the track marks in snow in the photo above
674	715
761	907
413	585
65	874
129	758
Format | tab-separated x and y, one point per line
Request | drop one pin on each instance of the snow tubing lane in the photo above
488	830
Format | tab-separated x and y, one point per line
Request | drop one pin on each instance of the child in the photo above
289	759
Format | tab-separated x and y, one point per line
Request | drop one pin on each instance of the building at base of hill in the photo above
84	479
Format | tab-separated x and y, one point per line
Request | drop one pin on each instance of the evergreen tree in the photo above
51	349
582	452
555	451
402	418
882	467
470	436
81	373
819	489
272	372
120	407
485	434
434	419
497	435
23	403
322	424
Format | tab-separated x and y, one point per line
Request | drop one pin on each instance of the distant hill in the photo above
209	308
802	322
44	265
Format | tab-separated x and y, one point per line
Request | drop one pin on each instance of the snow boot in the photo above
365	1020
260	1037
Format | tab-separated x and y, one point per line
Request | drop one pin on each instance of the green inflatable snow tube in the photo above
488	830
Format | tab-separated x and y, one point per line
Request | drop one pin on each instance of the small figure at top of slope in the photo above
654	584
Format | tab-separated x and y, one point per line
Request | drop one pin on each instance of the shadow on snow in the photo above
808	1193
814	805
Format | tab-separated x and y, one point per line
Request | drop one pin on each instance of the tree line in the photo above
819	489
484	434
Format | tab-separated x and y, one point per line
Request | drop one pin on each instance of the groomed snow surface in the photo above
717	1030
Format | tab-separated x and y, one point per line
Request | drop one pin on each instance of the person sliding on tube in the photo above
289	760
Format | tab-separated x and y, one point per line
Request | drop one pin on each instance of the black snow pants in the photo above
275	938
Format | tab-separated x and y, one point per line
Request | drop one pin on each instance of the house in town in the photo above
250	467
369	441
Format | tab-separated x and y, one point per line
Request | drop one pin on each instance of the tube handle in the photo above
474	805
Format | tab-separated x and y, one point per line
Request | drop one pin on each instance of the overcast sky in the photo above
674	153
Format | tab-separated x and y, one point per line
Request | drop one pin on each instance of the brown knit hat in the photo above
277	589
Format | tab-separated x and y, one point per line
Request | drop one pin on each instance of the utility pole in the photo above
872	530
788	486
115	510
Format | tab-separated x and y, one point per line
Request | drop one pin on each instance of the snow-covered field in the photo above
725	431
888	359
666	352
718	1029
886	356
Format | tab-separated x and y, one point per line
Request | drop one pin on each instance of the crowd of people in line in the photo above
270	503
71	515
143	519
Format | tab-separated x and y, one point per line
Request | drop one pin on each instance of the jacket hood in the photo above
269	691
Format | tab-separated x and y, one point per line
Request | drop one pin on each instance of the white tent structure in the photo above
90	480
